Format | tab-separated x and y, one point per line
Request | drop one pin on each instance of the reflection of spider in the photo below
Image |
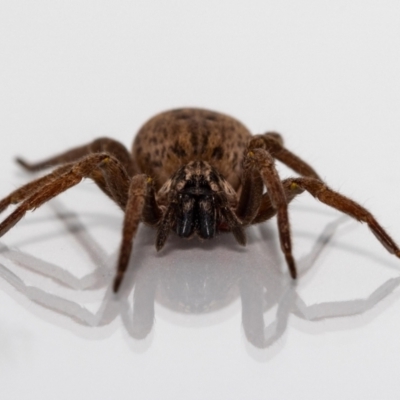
192	171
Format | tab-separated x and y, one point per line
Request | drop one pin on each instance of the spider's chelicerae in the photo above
191	171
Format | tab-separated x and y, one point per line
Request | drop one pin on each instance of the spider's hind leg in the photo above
101	145
273	143
295	186
336	200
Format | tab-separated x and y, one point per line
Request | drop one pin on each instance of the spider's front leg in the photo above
253	204
100	145
259	170
141	206
259	167
36	193
135	195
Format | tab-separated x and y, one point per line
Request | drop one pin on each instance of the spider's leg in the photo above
27	190
264	162
113	181
273	143
112	178
140	198
55	183
266	210
135	195
295	186
336	200
101	145
250	195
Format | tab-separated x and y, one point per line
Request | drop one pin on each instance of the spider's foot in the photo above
292	265
24	164
117	283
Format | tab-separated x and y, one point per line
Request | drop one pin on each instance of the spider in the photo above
194	172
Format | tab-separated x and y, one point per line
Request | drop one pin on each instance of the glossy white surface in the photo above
228	322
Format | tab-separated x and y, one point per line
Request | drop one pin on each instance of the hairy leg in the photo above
251	194
136	196
260	159
336	200
266	210
139	197
258	170
273	143
295	186
25	191
53	184
252	203
101	145
113	180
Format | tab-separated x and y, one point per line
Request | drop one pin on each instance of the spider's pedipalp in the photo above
165	226
234	224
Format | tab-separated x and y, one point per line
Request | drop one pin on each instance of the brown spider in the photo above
192	171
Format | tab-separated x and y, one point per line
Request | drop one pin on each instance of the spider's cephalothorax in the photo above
191	171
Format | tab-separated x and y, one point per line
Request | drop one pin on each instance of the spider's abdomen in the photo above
174	138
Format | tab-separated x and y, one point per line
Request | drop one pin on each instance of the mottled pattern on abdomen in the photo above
174	138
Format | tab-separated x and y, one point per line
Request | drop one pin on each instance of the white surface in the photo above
326	75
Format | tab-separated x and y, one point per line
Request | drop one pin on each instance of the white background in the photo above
325	75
